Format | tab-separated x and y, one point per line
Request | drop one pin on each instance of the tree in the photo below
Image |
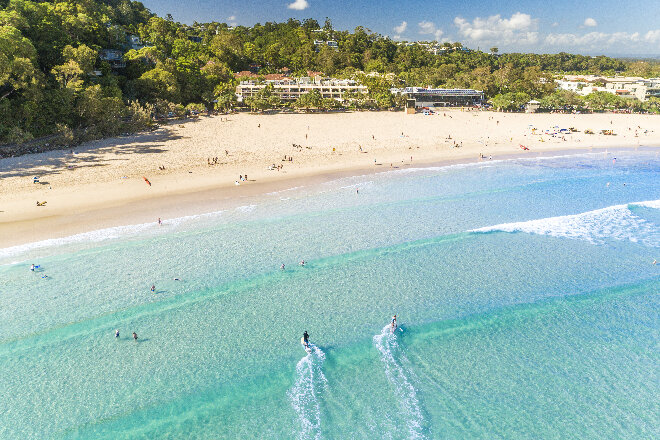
17	56
311	99
494	50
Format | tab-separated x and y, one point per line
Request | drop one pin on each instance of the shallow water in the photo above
525	290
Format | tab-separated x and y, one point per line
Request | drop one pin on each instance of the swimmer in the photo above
282	266
153	287
655	262
393	323
177	279
117	333
32	267
135	336
302	262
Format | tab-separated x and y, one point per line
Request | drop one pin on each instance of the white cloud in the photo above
555	24
597	39
299	5
428	28
401	28
652	36
520	28
590	22
231	20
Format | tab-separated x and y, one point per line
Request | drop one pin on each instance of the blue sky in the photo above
611	27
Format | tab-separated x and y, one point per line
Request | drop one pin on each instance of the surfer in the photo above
393	323
306	339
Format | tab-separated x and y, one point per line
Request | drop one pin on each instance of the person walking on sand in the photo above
135	337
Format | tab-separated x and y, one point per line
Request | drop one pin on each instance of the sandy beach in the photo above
193	166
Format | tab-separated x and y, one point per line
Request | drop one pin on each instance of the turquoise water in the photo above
527	300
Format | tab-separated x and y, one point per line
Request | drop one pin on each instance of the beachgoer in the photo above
153	287
117	333
282	266
177	279
306	339
160	222
246	177
302	262
135	336
32	268
393	323
236	182
655	262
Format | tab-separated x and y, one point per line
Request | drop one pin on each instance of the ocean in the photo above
525	291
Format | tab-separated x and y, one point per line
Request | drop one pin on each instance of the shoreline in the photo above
202	201
100	185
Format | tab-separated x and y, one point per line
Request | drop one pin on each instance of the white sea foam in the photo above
616	222
655	204
246	208
398	372
100	235
305	393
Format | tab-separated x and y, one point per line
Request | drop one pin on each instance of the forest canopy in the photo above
85	69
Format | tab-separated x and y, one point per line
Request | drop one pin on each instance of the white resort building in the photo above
627	87
290	89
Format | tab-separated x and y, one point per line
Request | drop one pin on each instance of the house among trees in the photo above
113	57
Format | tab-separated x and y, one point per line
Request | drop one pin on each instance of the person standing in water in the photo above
306	339
117	333
153	288
135	336
393	323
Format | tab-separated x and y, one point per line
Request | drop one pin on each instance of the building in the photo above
114	57
627	87
417	97
290	89
134	42
332	44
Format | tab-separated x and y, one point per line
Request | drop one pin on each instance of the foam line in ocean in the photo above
615	222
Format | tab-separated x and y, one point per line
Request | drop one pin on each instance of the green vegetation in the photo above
57	76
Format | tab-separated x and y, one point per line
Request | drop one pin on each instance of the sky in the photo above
590	27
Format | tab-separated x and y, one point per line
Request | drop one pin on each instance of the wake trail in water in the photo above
398	372
306	391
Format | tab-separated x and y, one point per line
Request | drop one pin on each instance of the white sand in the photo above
102	184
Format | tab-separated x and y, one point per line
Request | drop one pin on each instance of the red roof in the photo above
245	73
275	76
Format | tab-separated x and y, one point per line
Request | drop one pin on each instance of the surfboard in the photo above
307	349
